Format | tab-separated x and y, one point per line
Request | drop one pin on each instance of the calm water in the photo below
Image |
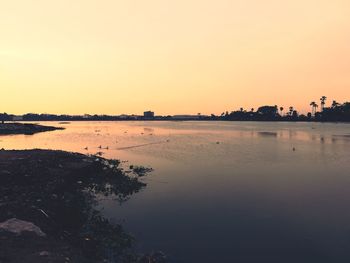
226	191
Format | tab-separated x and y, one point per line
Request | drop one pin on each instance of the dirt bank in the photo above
56	192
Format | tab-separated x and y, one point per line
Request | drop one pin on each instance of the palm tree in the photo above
314	107
291	109
323	102
252	110
312	104
281	109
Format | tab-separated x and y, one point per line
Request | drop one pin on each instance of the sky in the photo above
172	57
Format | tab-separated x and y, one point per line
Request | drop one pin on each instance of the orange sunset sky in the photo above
173	57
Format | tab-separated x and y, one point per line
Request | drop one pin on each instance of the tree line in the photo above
335	112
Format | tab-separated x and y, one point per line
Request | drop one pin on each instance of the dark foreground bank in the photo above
48	208
25	128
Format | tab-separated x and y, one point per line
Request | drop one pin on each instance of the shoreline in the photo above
185	120
48	208
25	128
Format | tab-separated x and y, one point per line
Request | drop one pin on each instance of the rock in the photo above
17	227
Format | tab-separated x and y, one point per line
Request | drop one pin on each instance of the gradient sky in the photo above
173	57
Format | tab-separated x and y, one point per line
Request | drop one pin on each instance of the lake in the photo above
225	191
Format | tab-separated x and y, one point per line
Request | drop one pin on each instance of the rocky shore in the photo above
48	208
25	128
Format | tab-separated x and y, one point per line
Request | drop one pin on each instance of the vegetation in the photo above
5	117
335	112
59	191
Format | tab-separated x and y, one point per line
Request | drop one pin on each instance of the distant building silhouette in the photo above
17	118
148	115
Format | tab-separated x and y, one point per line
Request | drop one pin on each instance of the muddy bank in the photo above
25	128
56	192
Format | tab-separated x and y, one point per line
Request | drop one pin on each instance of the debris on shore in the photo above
25	128
140	171
48	208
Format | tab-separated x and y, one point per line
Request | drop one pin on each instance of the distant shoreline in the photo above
25	128
184	120
337	112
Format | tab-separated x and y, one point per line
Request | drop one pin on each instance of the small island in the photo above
25	128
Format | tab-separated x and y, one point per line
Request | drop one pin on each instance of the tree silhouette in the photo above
291	109
335	104
270	111
281	109
4	117
323	102
313	107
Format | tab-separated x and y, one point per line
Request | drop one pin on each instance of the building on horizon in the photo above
17	118
148	115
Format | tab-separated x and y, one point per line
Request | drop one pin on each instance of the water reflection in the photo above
248	198
267	134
